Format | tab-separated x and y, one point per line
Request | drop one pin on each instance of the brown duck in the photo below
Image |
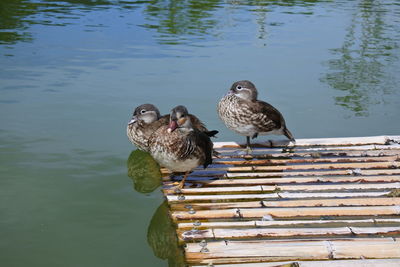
146	119
179	146
244	114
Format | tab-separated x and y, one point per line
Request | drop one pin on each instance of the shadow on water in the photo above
361	69
144	171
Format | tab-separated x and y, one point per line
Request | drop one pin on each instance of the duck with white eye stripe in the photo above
146	119
179	146
244	114
144	122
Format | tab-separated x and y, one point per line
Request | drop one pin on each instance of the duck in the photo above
179	146
242	112
146	119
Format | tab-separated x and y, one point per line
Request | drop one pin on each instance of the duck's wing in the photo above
266	116
205	145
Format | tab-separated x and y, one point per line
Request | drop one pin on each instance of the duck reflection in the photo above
144	171
162	238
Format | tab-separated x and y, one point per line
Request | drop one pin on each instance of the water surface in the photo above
72	71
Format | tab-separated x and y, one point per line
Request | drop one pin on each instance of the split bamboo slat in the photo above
318	202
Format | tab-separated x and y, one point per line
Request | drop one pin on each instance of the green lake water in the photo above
72	192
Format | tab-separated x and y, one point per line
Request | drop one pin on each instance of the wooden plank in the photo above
306	160
260	150
266	188
336	263
333	202
290	195
213	190
313	173
341	141
182	198
336	166
314	155
294	180
374	230
285	195
249	233
287	212
287	223
210	174
338	187
220	252
249	251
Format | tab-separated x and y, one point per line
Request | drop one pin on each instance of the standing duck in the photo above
179	146
244	114
146	119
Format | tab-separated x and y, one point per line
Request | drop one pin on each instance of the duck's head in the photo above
179	118
245	90
146	112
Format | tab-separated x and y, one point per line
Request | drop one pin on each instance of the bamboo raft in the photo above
320	202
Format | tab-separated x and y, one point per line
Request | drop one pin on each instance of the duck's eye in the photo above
239	87
142	111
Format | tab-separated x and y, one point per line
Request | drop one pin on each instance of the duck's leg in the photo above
248	148
182	183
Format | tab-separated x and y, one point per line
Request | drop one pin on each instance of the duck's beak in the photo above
172	126
230	92
133	120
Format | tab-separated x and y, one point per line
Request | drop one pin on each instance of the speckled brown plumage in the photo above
144	122
244	114
146	119
179	146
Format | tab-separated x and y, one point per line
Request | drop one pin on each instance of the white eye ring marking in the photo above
239	87
142	111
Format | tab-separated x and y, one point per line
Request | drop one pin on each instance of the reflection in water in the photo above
17	16
362	69
162	238
175	21
181	17
144	171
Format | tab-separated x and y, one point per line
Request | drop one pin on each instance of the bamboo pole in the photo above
287	212
285	195
287	223
336	263
221	252
333	202
268	188
341	141
313	173
251	233
317	154
259	150
295	180
336	166
306	160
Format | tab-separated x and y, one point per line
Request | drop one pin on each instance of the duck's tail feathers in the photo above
211	133
289	135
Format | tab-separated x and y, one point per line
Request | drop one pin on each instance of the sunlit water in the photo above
73	70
